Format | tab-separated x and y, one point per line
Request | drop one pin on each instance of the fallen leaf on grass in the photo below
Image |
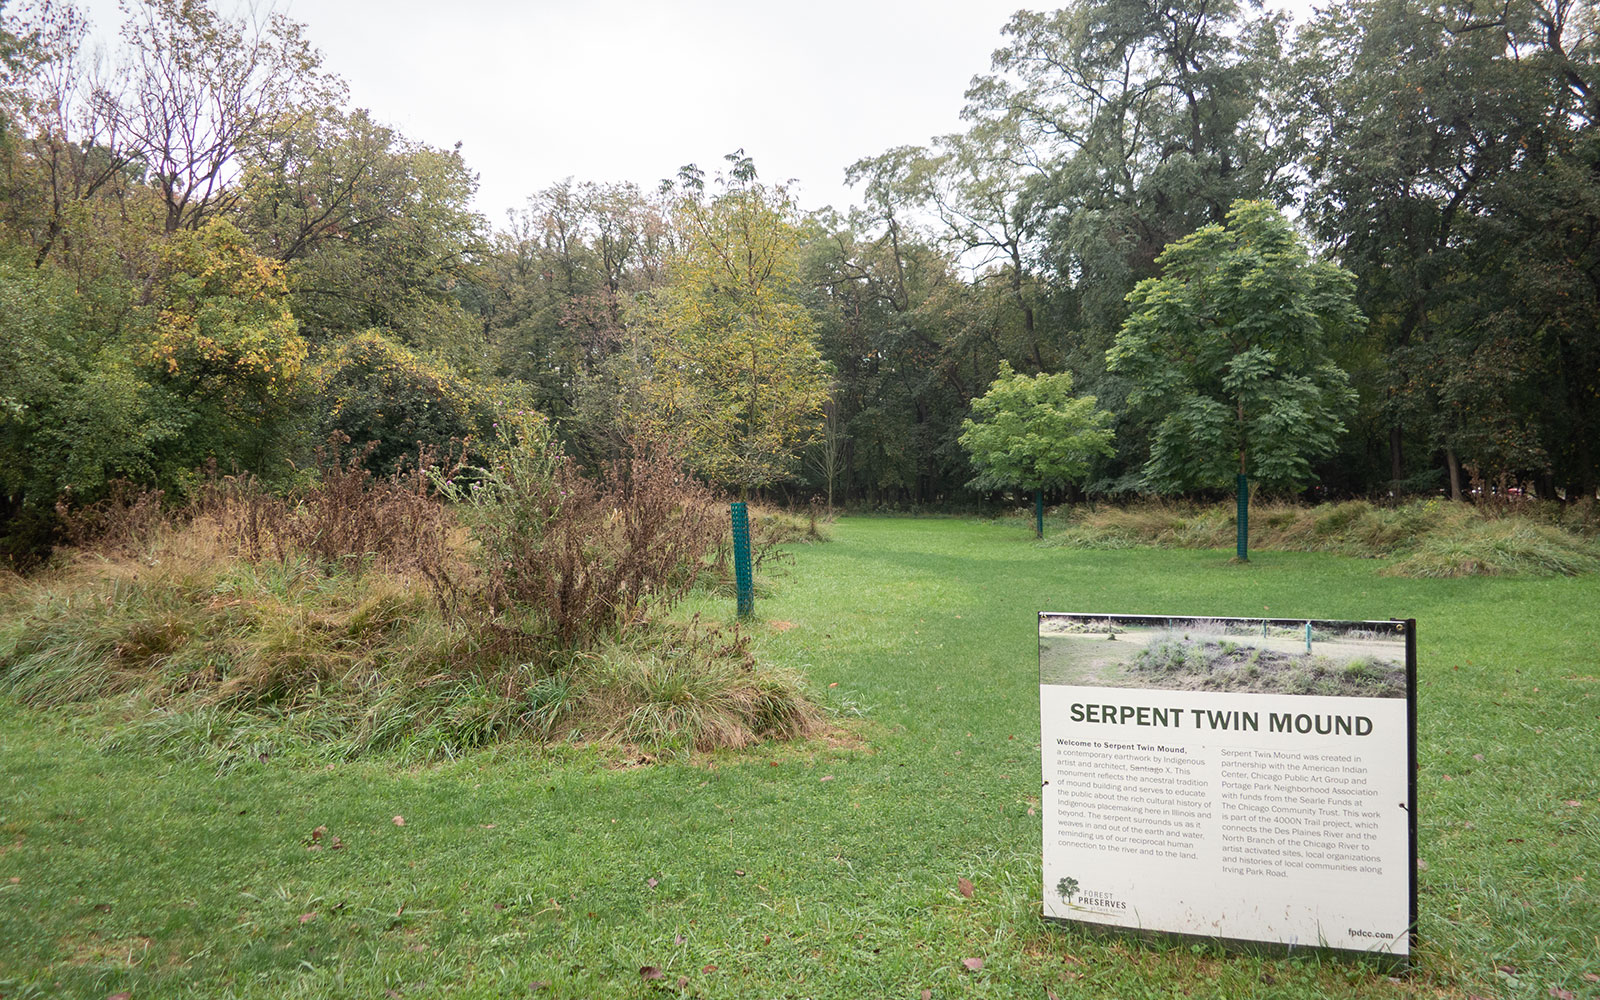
652	883
124	995
965	886
1561	994
399	821
826	777
678	939
1574	803
708	968
1590	977
683	981
739	872
972	964
318	834
649	972
306	918
537	985
927	995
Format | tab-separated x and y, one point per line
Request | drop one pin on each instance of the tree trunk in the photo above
1454	464
1397	466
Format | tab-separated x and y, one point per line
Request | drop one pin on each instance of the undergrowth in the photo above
229	659
365	615
1424	538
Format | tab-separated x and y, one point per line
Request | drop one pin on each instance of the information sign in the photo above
1250	780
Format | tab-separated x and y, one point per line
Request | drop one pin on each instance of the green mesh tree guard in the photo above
741	560
1038	513
1244	518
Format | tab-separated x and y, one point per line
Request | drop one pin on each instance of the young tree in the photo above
735	368
1228	349
1031	433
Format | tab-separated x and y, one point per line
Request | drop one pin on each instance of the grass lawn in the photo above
827	869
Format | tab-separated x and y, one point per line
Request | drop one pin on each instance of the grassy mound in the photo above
1499	548
229	658
1426	538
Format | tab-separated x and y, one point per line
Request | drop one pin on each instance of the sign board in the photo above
1250	780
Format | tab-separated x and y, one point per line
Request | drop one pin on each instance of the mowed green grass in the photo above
827	869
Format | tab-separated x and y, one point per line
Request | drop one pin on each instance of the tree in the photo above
376	391
735	368
1142	120
1031	433
226	346
1229	351
1443	140
1066	888
200	90
378	231
74	412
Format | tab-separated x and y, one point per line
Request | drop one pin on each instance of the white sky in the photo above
631	89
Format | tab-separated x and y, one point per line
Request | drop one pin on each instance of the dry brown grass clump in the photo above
363	615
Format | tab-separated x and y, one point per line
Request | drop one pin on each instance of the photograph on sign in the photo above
1248	780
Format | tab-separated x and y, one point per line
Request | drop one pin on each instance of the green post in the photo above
741	560
1244	518
1038	513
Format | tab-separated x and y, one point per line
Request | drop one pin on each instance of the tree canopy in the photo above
1032	433
1185	208
1229	349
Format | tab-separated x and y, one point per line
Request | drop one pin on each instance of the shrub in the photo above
371	389
575	559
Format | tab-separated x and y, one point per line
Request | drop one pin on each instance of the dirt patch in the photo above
126	952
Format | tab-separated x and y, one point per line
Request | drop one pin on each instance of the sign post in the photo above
1248	780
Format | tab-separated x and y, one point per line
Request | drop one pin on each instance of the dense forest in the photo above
208	259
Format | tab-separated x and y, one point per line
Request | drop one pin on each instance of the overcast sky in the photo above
631	89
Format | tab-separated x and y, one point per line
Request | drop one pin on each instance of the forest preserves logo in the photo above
1072	893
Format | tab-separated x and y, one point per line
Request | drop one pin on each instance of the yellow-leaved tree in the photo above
225	346
734	371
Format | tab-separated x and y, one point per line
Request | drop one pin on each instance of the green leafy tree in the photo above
1441	142
376	230
1229	350
226	346
1032	433
376	391
75	411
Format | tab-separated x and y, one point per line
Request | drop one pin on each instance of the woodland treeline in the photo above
207	256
